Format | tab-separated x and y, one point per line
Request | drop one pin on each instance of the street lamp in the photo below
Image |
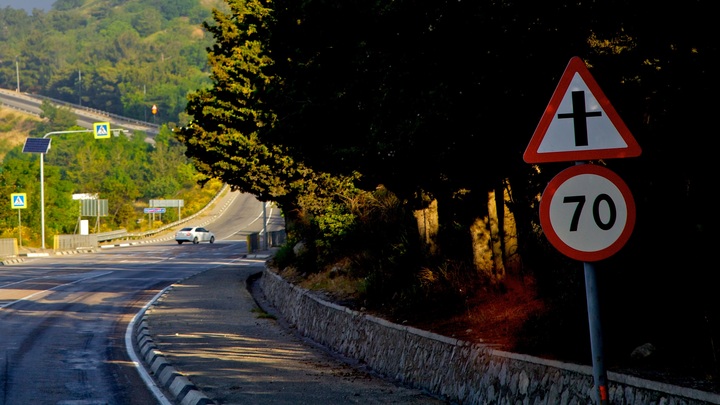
42	146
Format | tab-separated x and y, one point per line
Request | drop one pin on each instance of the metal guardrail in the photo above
108	236
70	242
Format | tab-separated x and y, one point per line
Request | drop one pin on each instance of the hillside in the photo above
14	128
119	57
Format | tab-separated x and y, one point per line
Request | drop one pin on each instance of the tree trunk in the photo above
494	239
428	226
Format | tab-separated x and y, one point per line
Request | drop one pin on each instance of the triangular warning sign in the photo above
19	201
579	123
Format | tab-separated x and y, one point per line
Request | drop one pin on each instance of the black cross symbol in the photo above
579	122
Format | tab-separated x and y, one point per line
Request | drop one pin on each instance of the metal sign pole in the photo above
596	341
265	239
19	228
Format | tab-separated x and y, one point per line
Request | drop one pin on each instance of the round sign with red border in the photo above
587	212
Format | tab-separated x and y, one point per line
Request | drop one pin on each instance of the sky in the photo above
27	5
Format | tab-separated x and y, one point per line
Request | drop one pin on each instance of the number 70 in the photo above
599	200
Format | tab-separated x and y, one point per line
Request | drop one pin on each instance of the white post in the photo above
42	199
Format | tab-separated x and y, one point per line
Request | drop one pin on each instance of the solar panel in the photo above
36	145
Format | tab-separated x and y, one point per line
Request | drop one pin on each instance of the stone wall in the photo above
457	371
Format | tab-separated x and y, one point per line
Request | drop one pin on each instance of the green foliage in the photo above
284	256
57	119
311	108
121	58
126	171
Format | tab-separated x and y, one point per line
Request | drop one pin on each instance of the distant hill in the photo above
119	57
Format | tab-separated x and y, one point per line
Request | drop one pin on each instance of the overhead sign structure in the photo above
18	200
579	123
101	130
587	212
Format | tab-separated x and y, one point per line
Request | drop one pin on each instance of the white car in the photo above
195	235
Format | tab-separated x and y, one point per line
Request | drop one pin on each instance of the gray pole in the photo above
596	341
19	228
79	88
265	240
17	73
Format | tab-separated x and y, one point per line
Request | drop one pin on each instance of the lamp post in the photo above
42	146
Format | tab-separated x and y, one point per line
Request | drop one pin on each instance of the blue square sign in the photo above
18	200
102	130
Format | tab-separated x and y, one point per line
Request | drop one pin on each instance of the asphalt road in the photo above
63	318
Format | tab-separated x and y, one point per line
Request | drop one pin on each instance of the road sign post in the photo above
19	201
587	212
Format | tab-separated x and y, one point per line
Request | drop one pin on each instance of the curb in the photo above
185	392
159	368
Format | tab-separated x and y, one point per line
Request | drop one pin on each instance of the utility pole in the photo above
17	74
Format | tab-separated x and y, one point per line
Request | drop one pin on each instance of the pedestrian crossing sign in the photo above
18	200
102	130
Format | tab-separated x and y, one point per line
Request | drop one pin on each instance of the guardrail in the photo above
69	242
110	235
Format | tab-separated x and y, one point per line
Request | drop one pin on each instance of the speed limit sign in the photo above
587	212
